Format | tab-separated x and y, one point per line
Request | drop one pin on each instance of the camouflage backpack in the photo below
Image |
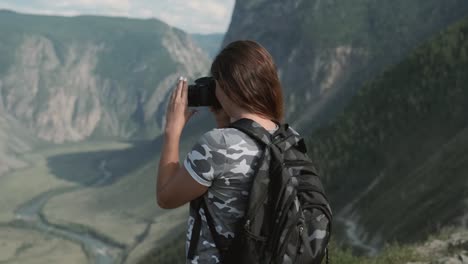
288	217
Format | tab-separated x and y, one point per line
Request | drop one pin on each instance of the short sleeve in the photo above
207	158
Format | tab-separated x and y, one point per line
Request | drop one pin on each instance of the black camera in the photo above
202	93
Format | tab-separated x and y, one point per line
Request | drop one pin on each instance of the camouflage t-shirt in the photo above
224	160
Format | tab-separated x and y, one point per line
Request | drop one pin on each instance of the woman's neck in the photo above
264	122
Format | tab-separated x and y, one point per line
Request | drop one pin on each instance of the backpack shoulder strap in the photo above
219	241
196	204
284	137
253	129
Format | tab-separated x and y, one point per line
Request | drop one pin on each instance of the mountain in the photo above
325	50
210	43
88	77
395	160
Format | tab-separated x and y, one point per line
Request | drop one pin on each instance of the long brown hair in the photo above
247	74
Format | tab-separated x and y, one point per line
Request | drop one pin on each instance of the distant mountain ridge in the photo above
69	79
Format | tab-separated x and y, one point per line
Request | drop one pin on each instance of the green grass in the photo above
391	254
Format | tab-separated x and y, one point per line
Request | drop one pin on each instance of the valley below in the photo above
43	219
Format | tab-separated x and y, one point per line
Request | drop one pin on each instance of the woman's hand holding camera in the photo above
178	113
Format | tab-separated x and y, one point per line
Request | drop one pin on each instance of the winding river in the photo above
353	232
98	249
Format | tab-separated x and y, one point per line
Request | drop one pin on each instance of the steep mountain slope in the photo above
69	79
326	49
14	141
395	161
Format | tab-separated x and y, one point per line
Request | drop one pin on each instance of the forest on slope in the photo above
399	150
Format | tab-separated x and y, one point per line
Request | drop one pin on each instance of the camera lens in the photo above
202	93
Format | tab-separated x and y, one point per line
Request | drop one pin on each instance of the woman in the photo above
220	165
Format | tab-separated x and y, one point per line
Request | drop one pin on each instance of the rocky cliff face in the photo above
325	50
69	79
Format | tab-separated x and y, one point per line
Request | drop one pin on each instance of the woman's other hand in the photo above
222	118
178	114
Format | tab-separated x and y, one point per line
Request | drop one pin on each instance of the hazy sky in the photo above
193	16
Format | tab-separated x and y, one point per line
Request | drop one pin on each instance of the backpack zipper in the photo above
300	243
283	248
247	230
